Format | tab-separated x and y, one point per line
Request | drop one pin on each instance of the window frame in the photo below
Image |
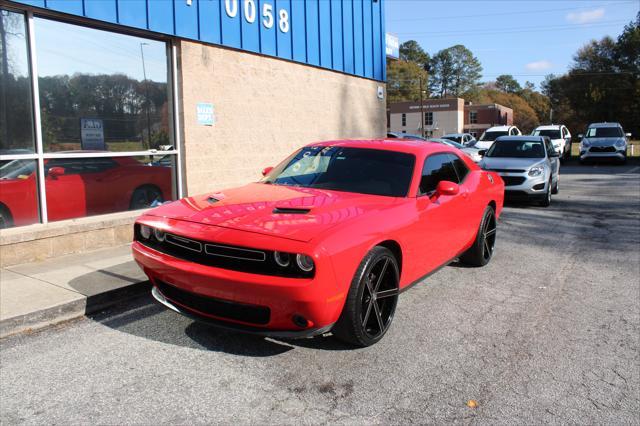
403	119
428	121
40	155
446	154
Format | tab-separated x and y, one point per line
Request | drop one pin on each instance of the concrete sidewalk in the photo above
38	294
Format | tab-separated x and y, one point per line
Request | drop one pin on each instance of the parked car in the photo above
465	139
79	187
560	138
492	133
472	152
325	241
393	135
604	140
529	166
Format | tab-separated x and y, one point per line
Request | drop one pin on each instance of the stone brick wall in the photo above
265	108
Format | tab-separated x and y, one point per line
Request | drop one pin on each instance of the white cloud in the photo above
538	65
586	16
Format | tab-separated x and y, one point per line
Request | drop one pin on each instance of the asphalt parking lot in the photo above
548	332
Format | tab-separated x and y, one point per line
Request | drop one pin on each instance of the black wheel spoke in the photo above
490	232
386	293
378	317
366	316
381	276
487	248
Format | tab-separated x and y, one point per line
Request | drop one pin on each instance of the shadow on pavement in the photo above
145	318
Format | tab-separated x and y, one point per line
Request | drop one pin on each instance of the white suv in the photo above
490	135
560	138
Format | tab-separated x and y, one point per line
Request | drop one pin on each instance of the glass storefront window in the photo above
101	91
18	193
78	187
16	119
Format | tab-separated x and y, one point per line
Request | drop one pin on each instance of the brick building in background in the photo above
442	116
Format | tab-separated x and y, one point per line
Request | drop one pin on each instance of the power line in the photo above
534	28
506	13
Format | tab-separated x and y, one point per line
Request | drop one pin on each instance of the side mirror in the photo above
482	152
580	136
554	154
266	170
446	187
628	135
54	172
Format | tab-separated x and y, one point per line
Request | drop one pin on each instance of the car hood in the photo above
289	212
603	141
489	163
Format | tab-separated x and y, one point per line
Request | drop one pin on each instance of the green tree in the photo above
403	81
454	71
508	84
524	116
411	51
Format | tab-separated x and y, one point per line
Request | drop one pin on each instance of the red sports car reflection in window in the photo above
325	242
78	187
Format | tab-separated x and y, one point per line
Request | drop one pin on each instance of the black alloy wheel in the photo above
489	237
372	300
6	221
481	252
144	197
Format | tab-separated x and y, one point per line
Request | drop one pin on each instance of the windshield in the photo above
365	171
448	142
17	169
453	138
491	136
516	149
604	132
552	134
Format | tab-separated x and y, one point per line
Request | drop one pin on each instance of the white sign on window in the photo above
92	134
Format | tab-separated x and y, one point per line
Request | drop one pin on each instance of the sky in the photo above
527	39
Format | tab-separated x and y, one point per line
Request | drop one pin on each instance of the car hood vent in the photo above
290	210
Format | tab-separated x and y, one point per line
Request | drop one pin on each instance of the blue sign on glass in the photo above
205	114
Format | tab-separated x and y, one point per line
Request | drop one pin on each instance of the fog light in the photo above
145	231
304	262
539	186
282	259
159	234
300	321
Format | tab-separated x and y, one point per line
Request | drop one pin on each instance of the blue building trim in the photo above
343	35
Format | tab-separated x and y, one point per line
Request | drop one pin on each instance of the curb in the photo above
86	305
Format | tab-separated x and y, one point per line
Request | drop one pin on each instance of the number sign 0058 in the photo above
249	8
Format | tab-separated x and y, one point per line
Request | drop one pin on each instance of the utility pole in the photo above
421	110
146	94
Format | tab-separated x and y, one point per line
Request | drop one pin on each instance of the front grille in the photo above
252	314
506	170
513	180
222	256
602	149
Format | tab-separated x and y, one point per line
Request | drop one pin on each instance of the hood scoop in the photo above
212	200
290	210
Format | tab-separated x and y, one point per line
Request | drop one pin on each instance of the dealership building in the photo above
111	106
442	116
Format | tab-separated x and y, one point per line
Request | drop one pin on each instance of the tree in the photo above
411	51
454	71
403	81
508	84
524	117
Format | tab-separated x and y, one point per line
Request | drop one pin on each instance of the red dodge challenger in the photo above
326	241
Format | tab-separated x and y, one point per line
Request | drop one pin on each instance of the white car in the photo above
465	139
490	135
560	138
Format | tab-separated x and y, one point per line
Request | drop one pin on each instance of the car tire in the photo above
366	318
480	253
556	188
6	220
546	201
144	196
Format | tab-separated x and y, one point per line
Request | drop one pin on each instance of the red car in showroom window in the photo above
325	241
78	187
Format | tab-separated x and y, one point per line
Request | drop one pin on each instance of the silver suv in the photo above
528	165
604	140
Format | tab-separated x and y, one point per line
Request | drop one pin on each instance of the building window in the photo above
428	118
473	117
404	120
105	118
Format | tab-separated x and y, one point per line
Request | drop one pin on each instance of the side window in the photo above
549	146
461	169
436	169
514	132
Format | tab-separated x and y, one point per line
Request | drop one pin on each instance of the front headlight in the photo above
159	234
536	171
585	143
620	143
305	262
145	231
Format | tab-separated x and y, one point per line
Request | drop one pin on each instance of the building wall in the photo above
265	108
448	116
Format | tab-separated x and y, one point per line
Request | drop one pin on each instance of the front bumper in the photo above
317	300
523	184
618	154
